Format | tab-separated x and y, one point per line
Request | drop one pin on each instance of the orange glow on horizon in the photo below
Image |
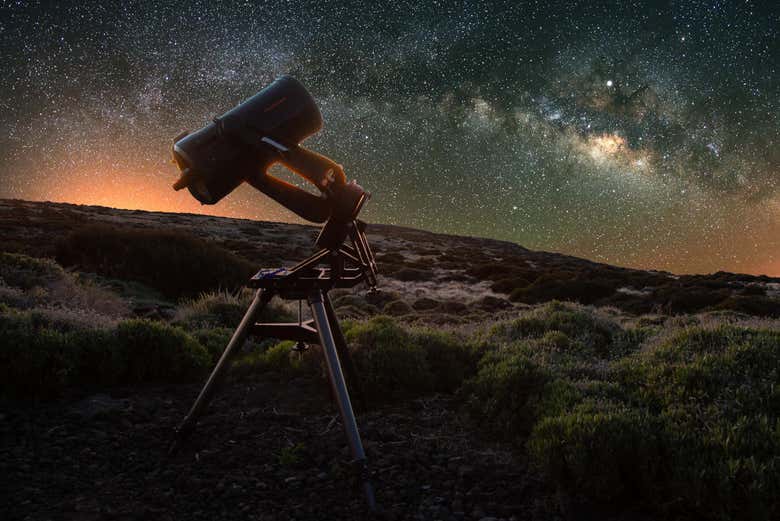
154	192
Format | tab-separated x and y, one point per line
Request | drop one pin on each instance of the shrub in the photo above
39	360
397	307
170	261
34	361
413	274
281	360
759	305
711	399
509	285
604	451
153	351
505	393
425	304
451	360
26	282
553	286
577	323
224	309
23	272
388	361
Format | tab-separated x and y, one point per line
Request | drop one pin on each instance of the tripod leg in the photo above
344	356
237	340
322	322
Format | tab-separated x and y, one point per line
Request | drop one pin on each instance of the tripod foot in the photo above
180	435
364	477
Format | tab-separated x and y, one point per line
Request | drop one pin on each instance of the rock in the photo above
98	405
425	304
397	307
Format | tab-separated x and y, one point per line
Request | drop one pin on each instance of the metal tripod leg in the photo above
237	340
344	356
320	316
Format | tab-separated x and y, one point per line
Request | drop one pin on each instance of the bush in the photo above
604	451
692	422
451	360
553	286
224	309
577	323
170	261
397	307
504	395
759	305
388	361
413	274
34	361
158	352
23	272
281	360
39	360
27	282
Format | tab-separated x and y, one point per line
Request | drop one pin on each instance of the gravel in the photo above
264	451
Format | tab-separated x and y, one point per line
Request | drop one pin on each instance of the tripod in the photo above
348	266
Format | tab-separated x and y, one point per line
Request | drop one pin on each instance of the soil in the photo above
265	450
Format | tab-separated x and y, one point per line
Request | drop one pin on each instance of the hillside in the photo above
441	277
500	383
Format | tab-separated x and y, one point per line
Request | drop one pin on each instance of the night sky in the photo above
641	135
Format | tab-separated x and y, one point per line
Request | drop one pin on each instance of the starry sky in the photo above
638	134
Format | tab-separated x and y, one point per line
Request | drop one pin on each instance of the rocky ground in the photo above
264	451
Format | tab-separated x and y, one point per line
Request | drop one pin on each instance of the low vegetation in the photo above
40	358
677	415
172	262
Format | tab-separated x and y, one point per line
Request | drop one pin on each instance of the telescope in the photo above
266	129
240	146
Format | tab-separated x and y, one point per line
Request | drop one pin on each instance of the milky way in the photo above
637	135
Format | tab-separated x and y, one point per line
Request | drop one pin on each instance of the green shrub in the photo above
173	262
554	287
25	272
397	307
693	421
281	360
604	451
224	309
577	323
213	340
39	360
34	361
451	360
505	394
26	282
158	352
413	274
388	361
